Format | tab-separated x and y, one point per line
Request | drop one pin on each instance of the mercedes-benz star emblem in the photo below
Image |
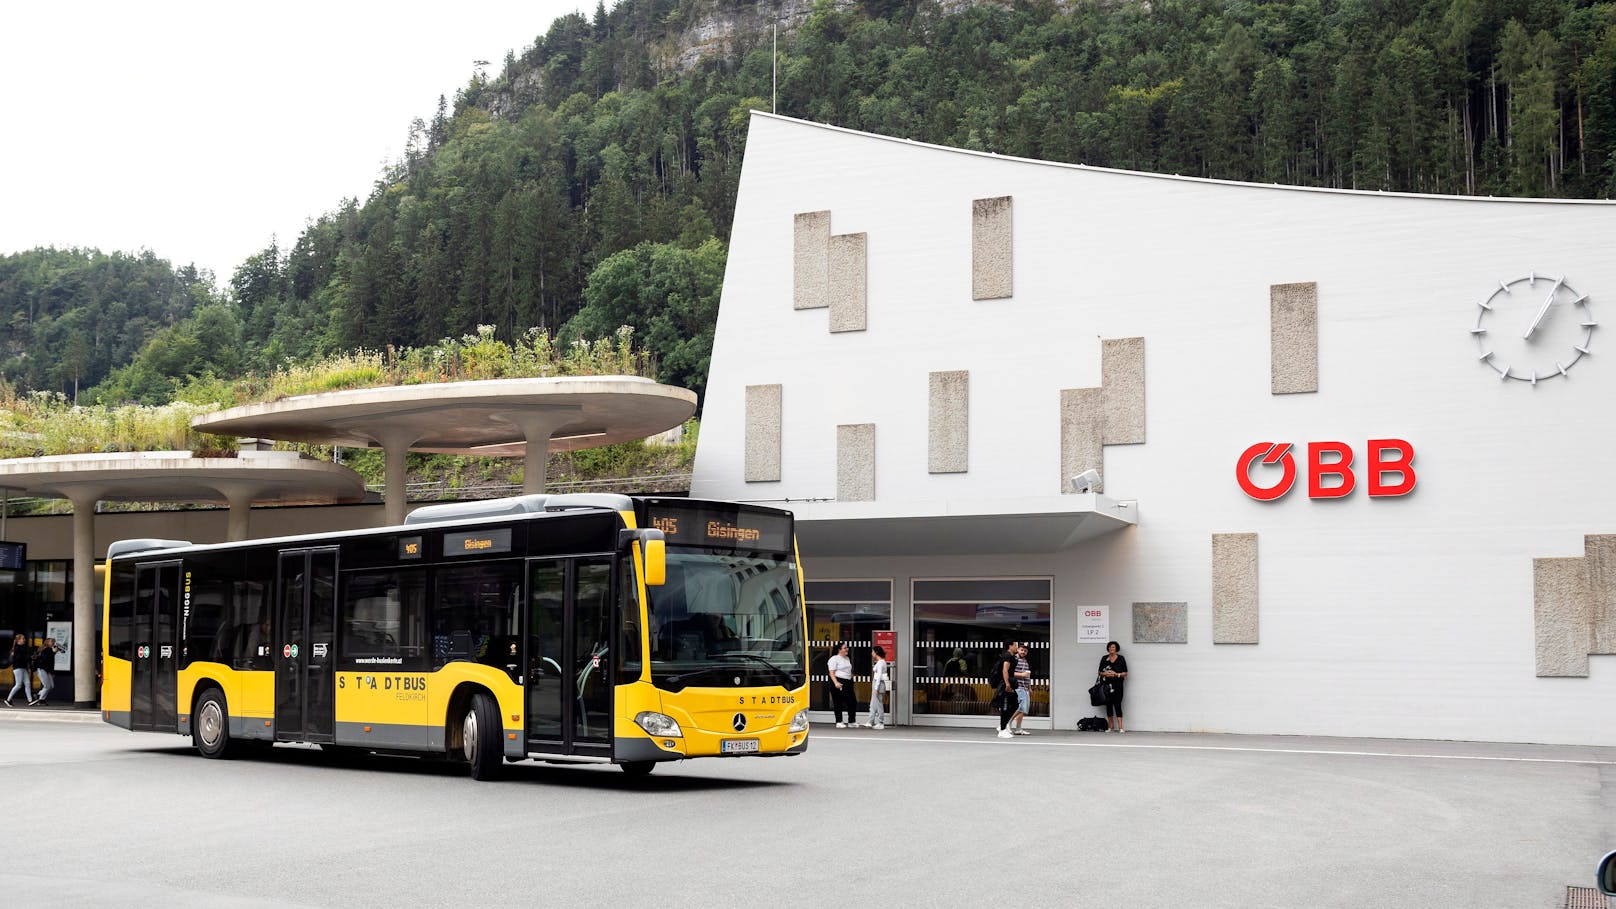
739	722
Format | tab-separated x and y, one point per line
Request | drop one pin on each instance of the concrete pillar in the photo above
85	641
395	443
538	424
240	496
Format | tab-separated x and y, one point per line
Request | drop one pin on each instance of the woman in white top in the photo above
880	684
841	696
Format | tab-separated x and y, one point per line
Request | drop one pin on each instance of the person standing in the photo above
1113	670
1004	687
21	660
841	696
1023	676
880	684
44	665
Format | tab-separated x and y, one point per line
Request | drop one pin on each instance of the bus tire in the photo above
210	726
638	768
480	734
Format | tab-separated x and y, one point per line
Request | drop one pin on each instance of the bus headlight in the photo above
799	723
660	725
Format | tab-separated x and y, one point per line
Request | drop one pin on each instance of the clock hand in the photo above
1542	310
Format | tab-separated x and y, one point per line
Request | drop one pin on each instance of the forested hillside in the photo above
590	181
69	317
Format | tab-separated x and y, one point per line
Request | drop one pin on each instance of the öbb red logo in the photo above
1330	461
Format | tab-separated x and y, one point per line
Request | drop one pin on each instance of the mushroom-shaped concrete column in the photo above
395	441
239	496
538	424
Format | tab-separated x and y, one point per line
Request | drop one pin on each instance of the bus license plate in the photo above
739	746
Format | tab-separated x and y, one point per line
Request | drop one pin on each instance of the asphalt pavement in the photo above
909	816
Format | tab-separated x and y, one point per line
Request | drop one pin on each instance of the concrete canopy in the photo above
957	527
468	418
164	476
490	417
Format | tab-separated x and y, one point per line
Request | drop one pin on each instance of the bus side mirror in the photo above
656	560
1607	875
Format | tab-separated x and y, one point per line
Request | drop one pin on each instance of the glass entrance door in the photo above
568	659
303	633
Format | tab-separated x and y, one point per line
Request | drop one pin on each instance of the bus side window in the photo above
384	616
629	659
472	612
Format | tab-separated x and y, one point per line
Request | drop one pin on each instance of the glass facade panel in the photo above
957	641
845	612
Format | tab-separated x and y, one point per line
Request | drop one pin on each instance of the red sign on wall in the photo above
888	642
1330	473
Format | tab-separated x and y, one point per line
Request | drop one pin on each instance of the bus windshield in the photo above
725	616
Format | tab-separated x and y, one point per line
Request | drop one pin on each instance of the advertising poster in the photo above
1093	624
63	633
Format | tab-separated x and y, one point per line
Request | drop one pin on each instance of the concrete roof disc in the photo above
484	417
269	478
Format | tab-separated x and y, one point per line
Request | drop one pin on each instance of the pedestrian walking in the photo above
1023	676
841	696
1001	676
44	665
1113	669
21	660
880	684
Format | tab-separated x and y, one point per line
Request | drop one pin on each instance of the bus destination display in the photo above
482	542
730	527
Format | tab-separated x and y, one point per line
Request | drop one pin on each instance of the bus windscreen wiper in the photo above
781	674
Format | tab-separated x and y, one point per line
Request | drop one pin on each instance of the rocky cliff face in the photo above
523	92
717	28
721	26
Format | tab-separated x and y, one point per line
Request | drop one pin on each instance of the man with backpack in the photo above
1002	677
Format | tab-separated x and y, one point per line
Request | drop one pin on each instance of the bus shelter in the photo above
86	480
491	417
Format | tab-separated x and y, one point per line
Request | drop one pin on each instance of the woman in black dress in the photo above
1113	669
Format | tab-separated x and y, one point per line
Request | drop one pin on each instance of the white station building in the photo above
1011	399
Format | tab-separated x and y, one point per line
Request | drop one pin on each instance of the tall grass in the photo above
470	357
48	423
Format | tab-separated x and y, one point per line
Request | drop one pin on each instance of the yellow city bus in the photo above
575	628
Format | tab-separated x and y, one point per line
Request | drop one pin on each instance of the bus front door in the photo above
156	638
569	690
303	643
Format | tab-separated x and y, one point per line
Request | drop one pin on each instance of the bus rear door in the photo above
305	611
569	622
155	636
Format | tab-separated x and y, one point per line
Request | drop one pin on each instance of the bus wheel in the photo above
210	725
480	737
638	768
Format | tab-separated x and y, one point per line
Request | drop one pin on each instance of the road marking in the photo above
1234	748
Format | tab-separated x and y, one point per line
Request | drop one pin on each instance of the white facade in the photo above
1412	616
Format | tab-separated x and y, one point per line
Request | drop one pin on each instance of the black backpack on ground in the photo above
1092	724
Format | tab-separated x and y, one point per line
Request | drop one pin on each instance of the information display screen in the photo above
12	556
726	526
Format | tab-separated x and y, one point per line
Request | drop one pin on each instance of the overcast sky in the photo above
198	129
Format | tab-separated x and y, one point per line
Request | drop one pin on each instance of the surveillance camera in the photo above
1086	481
